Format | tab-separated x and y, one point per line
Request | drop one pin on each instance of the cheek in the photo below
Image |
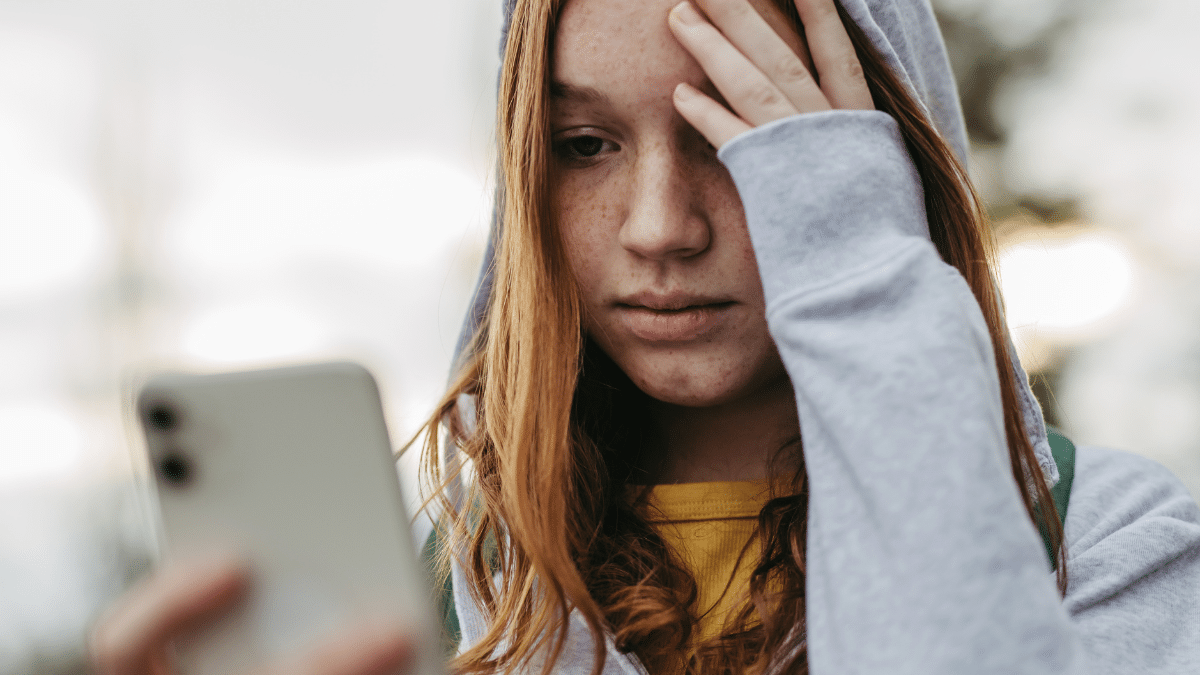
731	239
588	222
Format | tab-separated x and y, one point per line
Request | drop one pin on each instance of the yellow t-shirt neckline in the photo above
709	526
717	500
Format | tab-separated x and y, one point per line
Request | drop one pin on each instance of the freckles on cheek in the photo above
587	236
729	205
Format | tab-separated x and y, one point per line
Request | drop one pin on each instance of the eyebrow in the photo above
569	92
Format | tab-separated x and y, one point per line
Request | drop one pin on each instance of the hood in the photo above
907	34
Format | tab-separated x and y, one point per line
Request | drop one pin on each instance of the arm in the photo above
1133	536
921	558
920	555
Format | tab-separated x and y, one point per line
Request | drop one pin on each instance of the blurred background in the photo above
233	183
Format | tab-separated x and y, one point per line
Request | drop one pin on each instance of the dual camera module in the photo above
173	466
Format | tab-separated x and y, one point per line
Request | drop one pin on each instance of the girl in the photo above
738	395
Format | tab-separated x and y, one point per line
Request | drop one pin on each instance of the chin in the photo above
701	382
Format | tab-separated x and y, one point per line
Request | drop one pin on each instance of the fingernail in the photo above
684	92
687	14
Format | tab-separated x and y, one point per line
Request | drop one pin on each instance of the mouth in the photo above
671	302
673	318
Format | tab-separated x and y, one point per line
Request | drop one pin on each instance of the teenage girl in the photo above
738	394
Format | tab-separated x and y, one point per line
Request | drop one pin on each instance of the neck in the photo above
733	441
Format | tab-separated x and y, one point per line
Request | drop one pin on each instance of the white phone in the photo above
291	467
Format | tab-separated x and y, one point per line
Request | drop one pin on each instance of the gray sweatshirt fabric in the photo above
921	558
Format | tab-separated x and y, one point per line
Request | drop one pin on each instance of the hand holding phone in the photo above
291	468
135	635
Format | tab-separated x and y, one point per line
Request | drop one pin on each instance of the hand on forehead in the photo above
760	76
602	45
733	64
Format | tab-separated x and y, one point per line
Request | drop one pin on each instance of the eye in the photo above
583	148
586	146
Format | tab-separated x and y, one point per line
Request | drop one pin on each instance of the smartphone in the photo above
293	469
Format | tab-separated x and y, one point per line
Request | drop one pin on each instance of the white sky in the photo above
215	184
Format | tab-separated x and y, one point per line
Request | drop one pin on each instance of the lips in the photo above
674	317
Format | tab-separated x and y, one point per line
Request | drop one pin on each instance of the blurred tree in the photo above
993	47
991	50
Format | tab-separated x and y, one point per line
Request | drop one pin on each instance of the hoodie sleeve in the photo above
921	558
1133	537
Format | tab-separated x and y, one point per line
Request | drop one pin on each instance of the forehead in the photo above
602	43
622	43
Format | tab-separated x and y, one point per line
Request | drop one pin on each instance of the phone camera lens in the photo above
162	417
175	469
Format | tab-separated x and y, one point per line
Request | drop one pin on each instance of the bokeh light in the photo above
260	213
253	333
1065	286
51	236
37	442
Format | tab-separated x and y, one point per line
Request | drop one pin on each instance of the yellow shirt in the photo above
709	525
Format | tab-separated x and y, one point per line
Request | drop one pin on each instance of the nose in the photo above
665	218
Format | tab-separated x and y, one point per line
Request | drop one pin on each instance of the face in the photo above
652	224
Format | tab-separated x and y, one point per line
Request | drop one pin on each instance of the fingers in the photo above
751	94
833	54
755	69
782	63
372	649
711	119
132	638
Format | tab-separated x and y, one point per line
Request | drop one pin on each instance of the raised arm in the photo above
921	557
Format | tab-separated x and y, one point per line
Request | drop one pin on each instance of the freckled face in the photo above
651	221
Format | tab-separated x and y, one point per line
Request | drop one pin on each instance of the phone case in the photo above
293	468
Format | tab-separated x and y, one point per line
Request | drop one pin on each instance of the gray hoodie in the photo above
921	558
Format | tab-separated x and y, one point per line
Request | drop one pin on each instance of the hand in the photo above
133	636
754	69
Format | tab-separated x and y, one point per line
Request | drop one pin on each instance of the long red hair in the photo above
545	423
